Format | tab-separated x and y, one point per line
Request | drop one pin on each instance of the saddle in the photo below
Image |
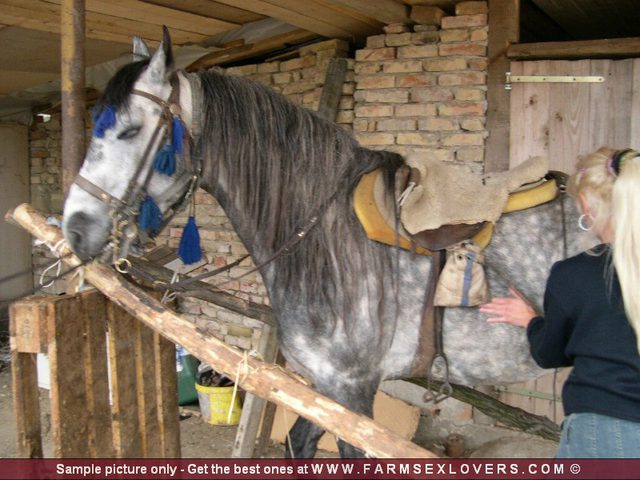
435	218
375	210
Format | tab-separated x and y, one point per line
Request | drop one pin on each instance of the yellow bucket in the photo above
215	403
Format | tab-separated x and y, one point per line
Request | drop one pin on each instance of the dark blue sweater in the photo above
585	326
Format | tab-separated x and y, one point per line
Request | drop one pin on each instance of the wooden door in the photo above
563	121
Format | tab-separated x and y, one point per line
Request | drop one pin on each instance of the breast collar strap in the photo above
123	210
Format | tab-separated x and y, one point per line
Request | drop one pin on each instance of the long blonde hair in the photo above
609	181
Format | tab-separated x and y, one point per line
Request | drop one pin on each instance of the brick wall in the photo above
419	89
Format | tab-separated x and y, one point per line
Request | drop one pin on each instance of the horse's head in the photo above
134	174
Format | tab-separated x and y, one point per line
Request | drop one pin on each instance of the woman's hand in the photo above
513	310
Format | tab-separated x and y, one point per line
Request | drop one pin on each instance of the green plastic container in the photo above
186	367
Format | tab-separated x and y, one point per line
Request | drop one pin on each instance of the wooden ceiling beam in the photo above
607	48
275	9
264	46
384	11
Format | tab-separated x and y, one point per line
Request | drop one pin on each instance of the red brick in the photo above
445	64
403	67
375	54
368	68
374	110
462	21
423	80
395	124
472	124
395	28
376	41
464	139
455	110
386	96
467	78
418	51
415	110
298	63
468	49
479	35
448	36
438	124
375	138
467	94
470	155
375	81
398	39
416	138
431	94
471	8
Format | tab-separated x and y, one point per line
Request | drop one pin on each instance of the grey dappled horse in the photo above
348	308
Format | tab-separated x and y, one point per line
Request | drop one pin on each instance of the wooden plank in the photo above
94	311
293	17
332	89
24	375
446	5
273	384
26	404
504	29
127	439
384	11
606	48
251	50
350	21
569	116
208	8
167	396
254	406
98	26
158	15
148	415
69	422
529	121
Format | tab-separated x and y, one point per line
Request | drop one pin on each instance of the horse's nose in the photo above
77	230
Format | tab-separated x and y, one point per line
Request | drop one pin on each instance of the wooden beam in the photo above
301	20
72	59
504	29
332	89
258	378
607	48
251	50
385	11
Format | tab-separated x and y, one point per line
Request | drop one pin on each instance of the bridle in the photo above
124	211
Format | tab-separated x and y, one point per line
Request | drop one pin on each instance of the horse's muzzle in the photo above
86	235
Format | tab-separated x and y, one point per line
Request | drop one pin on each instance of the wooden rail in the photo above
256	377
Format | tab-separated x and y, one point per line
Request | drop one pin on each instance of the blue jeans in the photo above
590	435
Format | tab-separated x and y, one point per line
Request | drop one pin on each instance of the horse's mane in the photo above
281	163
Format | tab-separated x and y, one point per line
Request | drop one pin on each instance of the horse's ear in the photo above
140	49
161	64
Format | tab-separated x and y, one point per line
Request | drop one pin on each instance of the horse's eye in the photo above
128	133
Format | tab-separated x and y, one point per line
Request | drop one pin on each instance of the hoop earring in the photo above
581	220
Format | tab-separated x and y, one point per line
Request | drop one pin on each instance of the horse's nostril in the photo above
75	239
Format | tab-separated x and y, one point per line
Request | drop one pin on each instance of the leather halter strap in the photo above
122	209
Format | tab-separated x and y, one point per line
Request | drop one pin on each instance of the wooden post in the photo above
253	406
504	29
332	89
71	329
72	26
256	377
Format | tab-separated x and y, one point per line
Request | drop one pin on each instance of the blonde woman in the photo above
592	313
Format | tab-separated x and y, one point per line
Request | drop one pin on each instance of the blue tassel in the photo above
150	217
177	134
104	121
165	161
190	250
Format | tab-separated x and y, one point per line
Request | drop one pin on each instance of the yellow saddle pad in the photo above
375	211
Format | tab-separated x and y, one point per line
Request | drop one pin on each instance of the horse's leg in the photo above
304	436
358	398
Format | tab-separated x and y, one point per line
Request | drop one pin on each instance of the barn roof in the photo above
232	31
